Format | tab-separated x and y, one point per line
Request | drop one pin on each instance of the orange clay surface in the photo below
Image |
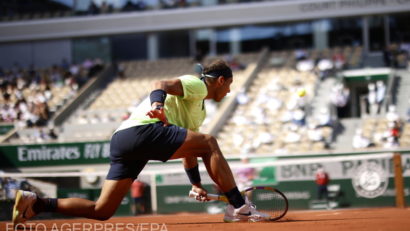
373	219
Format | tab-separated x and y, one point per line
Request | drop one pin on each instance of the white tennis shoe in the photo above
23	207
246	213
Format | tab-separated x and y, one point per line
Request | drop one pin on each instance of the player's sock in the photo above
45	205
235	198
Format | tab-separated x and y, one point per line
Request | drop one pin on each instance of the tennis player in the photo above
165	128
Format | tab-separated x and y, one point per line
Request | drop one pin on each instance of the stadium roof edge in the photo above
199	17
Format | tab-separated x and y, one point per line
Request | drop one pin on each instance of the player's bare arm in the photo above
191	163
170	86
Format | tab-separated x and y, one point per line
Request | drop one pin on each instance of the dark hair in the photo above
218	68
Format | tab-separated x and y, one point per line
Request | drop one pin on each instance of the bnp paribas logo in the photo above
370	180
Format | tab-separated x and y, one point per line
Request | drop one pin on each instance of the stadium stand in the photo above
306	124
274	94
305	127
31	97
131	86
280	91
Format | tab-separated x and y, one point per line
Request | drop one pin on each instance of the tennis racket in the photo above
267	199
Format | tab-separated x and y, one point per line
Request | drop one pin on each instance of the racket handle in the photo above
210	196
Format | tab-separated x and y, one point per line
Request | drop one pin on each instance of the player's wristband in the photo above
158	95
158	107
193	175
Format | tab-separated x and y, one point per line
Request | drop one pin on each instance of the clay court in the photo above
330	220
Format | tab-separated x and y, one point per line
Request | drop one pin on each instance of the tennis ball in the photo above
301	92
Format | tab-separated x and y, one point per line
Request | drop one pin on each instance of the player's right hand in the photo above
202	193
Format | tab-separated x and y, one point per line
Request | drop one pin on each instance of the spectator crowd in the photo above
29	97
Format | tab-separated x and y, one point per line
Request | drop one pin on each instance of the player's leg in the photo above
119	179
206	146
28	204
117	184
123	170
112	193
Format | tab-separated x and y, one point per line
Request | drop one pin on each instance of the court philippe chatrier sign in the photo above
316	6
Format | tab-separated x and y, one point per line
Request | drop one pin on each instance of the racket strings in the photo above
279	205
270	202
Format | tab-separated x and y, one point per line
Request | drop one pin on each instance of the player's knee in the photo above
103	212
103	216
212	145
211	140
209	145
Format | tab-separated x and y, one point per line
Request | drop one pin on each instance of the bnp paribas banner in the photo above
341	167
54	154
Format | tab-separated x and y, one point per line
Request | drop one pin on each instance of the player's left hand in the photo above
159	114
